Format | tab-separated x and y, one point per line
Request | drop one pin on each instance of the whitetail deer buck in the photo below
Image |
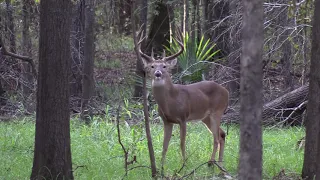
204	101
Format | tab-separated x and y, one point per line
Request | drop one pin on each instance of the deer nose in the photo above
158	73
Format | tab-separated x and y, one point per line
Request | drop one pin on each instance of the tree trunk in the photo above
27	84
206	26
10	25
234	47
220	25
77	41
193	20
186	16
312	145
13	81
159	34
286	50
52	153
138	90
88	64
277	108
250	162
125	16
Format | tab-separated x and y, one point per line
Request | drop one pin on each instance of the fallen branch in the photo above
284	104
292	112
23	58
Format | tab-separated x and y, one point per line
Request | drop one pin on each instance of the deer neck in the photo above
165	93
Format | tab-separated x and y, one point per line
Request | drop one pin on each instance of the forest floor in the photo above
96	153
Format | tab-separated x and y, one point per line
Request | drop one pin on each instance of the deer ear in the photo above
172	62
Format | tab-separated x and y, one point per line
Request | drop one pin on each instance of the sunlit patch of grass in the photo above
96	153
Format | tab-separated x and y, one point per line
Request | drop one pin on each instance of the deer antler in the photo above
138	45
180	44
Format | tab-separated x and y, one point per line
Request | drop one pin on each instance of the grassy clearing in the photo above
97	154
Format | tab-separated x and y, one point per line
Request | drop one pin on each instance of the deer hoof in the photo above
211	163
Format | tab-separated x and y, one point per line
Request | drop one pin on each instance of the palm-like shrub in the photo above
193	61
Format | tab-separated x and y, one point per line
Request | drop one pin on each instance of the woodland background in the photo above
105	72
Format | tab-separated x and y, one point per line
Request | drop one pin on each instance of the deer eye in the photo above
164	66
152	67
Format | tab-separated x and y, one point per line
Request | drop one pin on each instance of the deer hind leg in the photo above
166	139
213	124
222	140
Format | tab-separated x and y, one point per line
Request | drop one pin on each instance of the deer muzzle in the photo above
157	74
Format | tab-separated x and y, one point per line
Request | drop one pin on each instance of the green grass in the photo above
96	153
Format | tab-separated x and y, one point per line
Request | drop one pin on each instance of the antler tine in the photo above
146	57
181	47
152	53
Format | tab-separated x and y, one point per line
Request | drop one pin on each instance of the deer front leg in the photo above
166	139
183	133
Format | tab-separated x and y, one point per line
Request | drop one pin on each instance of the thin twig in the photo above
120	142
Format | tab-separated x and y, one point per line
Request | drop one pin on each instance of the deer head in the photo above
159	69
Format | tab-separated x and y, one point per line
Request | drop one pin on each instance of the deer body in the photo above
178	104
189	102
204	101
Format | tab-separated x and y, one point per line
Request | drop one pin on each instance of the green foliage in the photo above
96	153
194	57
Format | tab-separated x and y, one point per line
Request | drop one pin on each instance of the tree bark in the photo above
138	90
185	16
312	143
27	84
286	50
220	25
52	153
250	162
77	41
88	64
10	25
159	34
234	48
125	16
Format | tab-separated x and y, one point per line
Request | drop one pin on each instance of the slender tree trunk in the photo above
52	153
124	16
220	22
88	64
10	24
77	41
27	84
206	26
193	20
139	67
312	145
186	16
235	49
250	163
286	50
13	81
198	20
